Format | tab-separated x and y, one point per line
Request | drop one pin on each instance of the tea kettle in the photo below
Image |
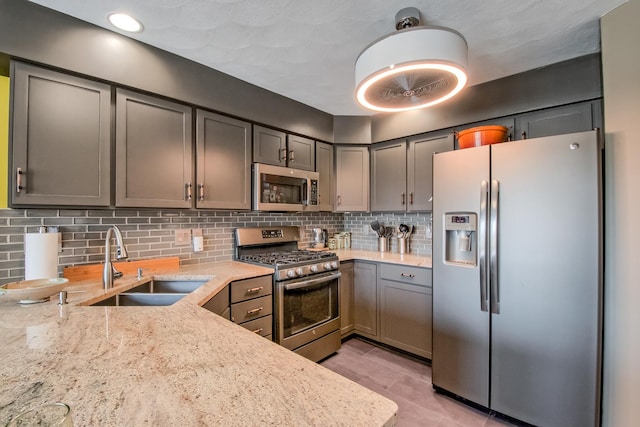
319	237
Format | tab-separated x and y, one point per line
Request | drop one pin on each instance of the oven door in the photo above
307	309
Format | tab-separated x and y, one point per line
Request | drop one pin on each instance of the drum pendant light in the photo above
415	67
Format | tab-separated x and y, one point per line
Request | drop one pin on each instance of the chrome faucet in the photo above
121	253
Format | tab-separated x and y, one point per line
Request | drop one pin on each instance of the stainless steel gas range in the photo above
306	288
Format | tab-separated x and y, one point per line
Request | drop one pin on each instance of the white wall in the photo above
621	81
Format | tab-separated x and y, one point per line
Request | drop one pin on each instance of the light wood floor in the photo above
406	381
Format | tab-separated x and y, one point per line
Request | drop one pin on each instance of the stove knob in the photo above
334	264
299	271
291	273
326	266
314	268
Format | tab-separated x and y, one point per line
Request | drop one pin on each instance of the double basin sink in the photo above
153	293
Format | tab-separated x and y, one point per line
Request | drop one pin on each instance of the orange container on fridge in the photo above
481	135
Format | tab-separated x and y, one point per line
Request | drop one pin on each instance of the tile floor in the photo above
406	381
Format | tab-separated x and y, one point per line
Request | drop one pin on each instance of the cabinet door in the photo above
405	316
389	176
269	146
556	121
301	153
365	299
324	166
153	152
60	136
346	298
420	168
352	179
223	162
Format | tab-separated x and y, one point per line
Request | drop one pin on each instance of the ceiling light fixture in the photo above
125	22
415	67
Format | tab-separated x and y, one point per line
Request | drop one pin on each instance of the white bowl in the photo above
31	291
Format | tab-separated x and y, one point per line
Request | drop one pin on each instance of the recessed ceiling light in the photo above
125	22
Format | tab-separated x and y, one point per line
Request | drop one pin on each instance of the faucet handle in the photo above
116	274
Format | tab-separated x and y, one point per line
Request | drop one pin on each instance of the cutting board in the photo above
94	271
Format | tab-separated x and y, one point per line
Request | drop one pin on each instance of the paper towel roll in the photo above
40	255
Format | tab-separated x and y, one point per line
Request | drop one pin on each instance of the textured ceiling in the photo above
306	49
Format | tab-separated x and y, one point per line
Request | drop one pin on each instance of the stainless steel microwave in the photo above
284	189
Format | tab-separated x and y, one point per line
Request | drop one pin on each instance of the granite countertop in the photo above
386	257
174	365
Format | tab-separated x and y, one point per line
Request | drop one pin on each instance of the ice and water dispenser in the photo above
461	238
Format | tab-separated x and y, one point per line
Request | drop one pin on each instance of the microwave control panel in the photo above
313	193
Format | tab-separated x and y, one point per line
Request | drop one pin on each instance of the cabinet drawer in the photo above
255	287
261	326
251	309
405	274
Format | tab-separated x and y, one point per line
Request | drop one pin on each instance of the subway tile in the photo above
72	213
44	213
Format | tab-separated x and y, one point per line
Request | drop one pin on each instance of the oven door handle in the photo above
312	282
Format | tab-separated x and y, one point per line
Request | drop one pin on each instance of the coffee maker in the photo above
319	238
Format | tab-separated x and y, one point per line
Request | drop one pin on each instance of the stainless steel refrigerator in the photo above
517	277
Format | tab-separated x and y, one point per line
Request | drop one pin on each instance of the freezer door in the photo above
460	361
545	339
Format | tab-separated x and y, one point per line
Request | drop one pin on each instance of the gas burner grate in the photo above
285	257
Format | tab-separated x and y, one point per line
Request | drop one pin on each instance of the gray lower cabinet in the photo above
578	117
324	166
352	178
220	304
365	299
223	162
60	136
252	304
346	298
153	152
389	176
420	168
405	300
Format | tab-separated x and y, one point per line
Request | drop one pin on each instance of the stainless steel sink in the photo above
168	286
141	299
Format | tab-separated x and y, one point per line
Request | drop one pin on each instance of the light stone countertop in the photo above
168	366
386	257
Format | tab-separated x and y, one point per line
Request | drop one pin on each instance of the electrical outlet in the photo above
183	238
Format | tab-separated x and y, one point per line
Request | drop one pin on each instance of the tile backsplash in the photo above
150	233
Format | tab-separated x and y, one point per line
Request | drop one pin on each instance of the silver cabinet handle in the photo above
283	154
257	331
482	245
254	290
292	156
188	185
254	311
411	198
407	275
19	174
493	244
201	191
339	200
402	198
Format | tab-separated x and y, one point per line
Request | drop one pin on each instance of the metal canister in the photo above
347	239
340	240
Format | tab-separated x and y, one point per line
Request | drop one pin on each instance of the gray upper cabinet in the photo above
153	152
60	136
389	176
301	153
579	117
420	167
352	178
276	148
269	146
223	162
324	166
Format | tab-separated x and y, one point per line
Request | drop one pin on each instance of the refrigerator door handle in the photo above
493	247
482	245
